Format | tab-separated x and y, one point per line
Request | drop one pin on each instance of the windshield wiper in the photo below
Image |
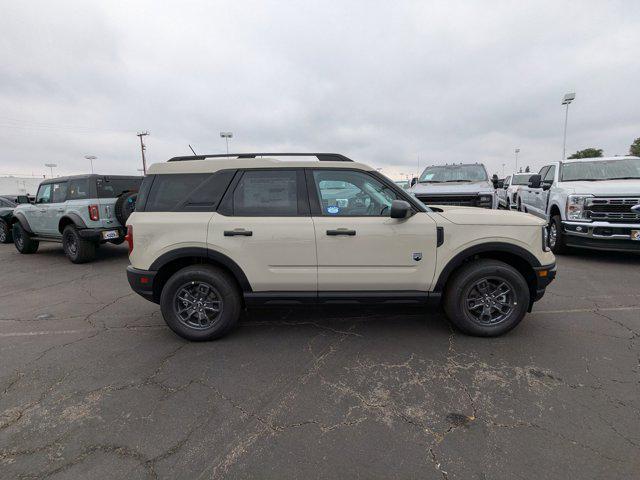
584	179
430	181
452	181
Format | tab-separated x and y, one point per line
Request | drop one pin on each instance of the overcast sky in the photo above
385	83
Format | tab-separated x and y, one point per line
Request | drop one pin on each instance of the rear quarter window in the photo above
110	187
188	192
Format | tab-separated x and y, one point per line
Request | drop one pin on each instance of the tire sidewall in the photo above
455	302
559	246
67	233
229	295
5	233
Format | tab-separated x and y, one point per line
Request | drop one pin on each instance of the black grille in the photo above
457	200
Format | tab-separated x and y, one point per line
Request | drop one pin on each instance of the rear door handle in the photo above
342	231
61	210
238	233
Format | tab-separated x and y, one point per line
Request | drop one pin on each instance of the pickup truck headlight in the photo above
575	207
545	239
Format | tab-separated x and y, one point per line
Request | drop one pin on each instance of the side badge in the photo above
417	256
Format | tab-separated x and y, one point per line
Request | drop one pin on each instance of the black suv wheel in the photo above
23	241
5	233
75	247
486	298
200	302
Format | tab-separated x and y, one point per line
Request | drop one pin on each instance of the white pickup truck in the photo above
588	203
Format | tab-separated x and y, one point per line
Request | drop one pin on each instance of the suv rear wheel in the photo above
5	233
200	302
77	248
486	298
23	241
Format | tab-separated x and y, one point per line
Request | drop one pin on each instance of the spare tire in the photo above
125	205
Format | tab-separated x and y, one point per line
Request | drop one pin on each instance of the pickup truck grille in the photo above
613	210
457	200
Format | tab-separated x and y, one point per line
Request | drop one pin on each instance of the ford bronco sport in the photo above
212	235
81	212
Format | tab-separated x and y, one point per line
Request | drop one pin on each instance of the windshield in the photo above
601	170
453	173
521	179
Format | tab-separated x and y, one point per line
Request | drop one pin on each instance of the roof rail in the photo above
323	157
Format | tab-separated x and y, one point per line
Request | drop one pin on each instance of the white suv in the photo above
213	235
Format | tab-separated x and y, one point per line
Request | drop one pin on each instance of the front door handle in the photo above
60	210
43	210
342	231
238	233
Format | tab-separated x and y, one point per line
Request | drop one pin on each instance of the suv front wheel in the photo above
77	248
486	298
200	302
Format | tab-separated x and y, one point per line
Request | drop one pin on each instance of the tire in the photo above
23	241
466	286
520	205
77	249
124	207
557	238
6	235
117	241
200	283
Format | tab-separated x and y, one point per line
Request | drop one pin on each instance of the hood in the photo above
484	216
452	187
605	187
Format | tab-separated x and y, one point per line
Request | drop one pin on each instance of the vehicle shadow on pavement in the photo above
603	256
104	253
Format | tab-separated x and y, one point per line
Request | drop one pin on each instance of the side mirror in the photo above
414	180
535	181
546	185
399	209
500	184
22	199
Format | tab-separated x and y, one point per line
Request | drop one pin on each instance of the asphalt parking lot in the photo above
93	385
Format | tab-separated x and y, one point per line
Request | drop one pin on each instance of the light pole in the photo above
568	98
503	169
51	166
142	149
517	152
91	158
226	136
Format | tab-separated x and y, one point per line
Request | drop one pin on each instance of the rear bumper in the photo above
141	282
95	234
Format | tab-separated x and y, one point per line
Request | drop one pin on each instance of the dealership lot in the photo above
94	385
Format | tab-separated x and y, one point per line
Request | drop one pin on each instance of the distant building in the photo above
19	185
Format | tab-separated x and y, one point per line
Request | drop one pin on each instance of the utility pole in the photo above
568	98
517	152
142	149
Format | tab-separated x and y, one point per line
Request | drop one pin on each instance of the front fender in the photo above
22	219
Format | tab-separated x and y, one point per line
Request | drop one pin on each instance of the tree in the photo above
634	148
587	153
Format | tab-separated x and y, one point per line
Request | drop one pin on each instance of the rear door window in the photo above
59	192
265	193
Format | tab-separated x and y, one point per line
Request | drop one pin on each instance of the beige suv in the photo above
214	234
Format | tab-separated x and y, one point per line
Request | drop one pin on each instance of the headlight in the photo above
575	207
545	239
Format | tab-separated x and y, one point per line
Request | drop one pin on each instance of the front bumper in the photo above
95	234
141	282
544	276
601	236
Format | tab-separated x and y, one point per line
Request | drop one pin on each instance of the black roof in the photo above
323	157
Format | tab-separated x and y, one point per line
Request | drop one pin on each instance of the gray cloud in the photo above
385	83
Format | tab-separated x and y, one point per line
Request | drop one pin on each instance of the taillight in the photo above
94	212
129	237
